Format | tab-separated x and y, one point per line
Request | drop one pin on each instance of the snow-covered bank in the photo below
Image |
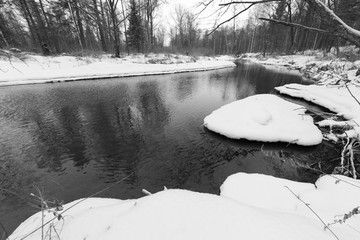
266	118
251	206
314	66
337	87
343	100
30	69
335	98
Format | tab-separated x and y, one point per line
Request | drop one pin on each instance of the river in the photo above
71	140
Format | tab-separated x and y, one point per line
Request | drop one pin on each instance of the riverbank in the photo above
313	65
26	68
337	88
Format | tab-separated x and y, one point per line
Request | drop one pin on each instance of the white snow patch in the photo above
343	100
266	118
335	98
251	206
330	198
31	69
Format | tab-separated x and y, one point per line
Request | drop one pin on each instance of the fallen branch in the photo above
326	226
291	24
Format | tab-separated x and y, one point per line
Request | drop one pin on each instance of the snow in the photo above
343	100
31	69
330	198
251	206
336	82
335	98
266	118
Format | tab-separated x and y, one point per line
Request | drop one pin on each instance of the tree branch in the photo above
229	19
248	2
291	24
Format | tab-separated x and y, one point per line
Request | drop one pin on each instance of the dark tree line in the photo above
276	26
72	25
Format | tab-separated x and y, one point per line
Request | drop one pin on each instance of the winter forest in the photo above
124	26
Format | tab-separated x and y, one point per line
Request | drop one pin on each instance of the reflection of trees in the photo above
106	125
262	79
249	79
155	114
185	86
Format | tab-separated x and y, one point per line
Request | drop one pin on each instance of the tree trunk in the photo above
53	35
31	23
100	26
116	36
41	29
291	29
112	8
76	26
126	38
79	24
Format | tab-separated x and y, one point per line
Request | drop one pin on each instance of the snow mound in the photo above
173	214
270	191
264	117
330	198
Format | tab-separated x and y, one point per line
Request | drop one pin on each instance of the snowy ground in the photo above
24	68
278	209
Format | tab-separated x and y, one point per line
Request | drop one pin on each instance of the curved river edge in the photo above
335	77
106	70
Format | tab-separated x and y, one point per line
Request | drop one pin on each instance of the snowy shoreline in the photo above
336	88
41	70
273	211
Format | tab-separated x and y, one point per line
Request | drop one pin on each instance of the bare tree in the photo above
339	27
99	23
112	9
185	33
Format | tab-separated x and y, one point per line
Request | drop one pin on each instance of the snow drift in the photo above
265	118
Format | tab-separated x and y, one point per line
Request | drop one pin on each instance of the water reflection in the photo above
76	138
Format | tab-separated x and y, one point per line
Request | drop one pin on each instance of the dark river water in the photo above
73	139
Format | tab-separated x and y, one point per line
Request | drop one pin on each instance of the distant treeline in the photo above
124	26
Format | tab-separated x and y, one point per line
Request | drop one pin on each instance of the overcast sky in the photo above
206	20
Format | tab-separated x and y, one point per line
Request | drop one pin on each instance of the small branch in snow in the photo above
77	203
352	94
146	192
308	206
330	175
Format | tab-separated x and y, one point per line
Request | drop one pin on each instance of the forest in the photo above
124	26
